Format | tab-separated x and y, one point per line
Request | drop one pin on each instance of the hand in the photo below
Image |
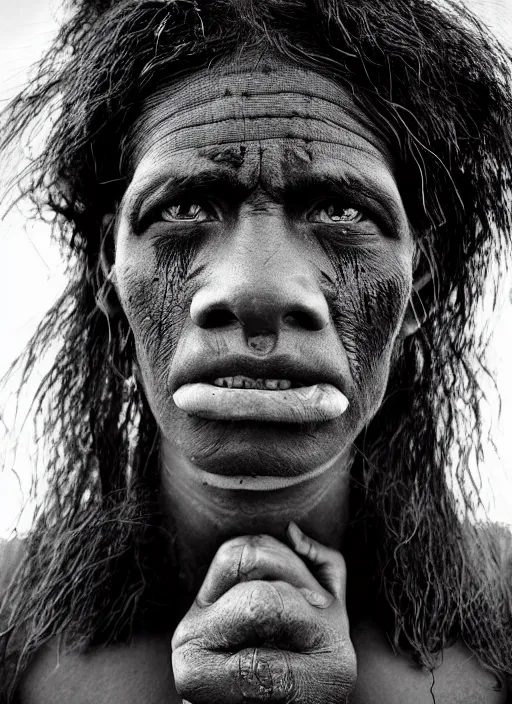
267	626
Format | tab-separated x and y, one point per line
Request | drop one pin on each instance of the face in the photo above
262	243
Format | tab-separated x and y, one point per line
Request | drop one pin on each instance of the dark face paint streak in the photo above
168	292
263	245
366	306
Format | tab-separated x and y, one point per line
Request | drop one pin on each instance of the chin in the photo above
259	449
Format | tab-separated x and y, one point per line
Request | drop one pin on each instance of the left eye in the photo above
336	213
185	211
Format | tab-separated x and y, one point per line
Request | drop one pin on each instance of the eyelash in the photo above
189	204
213	214
325	205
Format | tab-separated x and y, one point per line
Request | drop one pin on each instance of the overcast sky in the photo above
31	274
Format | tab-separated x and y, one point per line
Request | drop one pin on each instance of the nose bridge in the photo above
263	256
261	280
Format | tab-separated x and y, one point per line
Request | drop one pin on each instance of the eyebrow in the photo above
218	183
299	188
304	187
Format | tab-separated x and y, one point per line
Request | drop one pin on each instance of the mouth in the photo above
247	382
279	389
279	372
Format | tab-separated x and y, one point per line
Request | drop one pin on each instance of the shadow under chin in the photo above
255	449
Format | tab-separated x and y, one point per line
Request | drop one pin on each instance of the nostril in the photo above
304	319
218	318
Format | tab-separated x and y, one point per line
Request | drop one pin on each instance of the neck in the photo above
208	509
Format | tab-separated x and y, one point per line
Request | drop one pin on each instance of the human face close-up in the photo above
262	243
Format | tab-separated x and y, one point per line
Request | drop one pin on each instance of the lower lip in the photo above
306	404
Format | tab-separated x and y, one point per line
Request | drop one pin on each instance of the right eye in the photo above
186	211
334	213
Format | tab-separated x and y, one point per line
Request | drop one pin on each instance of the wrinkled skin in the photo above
262	221
225	246
264	628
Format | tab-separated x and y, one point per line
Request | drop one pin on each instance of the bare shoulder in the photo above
136	673
385	678
142	672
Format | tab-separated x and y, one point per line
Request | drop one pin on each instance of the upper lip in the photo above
279	367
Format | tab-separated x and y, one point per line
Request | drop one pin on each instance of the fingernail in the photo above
321	601
299	539
294	533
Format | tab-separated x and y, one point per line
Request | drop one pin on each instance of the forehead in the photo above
263	117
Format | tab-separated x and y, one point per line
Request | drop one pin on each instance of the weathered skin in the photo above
250	589
262	232
263	628
262	255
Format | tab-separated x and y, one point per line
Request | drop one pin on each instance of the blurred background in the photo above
32	277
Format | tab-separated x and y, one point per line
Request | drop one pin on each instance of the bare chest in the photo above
141	673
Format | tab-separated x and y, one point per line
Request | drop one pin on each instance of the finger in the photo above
264	674
257	613
251	675
330	568
259	557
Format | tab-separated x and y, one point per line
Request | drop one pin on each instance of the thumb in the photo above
330	568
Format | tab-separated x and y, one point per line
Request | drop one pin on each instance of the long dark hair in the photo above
440	87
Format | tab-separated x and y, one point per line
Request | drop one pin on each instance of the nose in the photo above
261	294
259	312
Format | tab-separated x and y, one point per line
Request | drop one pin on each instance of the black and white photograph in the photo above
256	351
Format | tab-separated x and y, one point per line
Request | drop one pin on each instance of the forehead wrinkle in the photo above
232	91
293	125
166	147
310	102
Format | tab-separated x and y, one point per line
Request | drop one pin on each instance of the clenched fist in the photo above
269	624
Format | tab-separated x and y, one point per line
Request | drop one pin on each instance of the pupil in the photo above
185	210
337	213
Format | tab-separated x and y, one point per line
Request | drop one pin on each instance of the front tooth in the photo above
245	382
225	381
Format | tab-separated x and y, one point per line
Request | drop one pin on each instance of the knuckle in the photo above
337	670
258	555
264	608
264	597
180	635
248	561
228	553
242	550
186	673
260	539
312	552
263	674
243	555
251	560
346	663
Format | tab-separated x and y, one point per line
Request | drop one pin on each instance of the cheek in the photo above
371	298
152	280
